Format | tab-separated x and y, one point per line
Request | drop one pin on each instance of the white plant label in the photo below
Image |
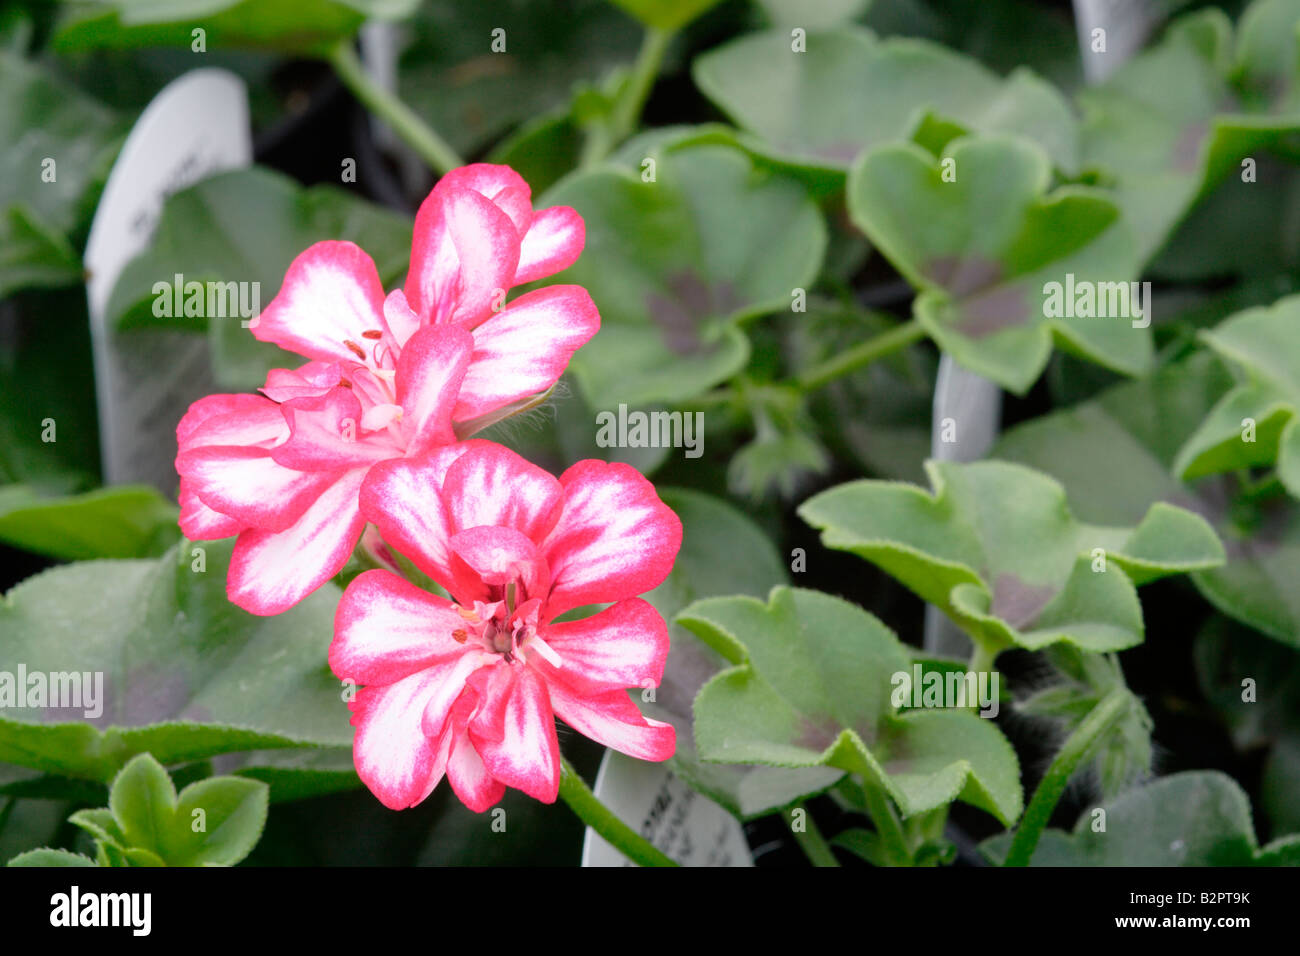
146	378
685	825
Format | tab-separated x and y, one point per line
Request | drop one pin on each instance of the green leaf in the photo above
42	120
185	673
983	249
285	26
818	15
127	521
813	688
1195	818
1135	430
1175	119
47	857
673	273
49	431
555	54
722	552
665	14
849	92
217	822
102	825
1262	346
247	226
997	550
143	802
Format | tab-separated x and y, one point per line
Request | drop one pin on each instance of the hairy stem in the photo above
810	838
575	792
1077	747
416	133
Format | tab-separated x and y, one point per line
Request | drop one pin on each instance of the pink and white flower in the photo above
387	376
468	688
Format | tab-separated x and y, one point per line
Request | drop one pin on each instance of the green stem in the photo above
864	353
631	98
982	658
575	792
417	134
810	838
1099	720
888	827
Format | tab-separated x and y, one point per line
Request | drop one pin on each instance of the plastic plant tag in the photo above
1110	31
967	414
145	378
690	828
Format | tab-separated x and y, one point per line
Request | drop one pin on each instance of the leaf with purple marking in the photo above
1256	424
977	234
1135	430
813	686
996	548
677	262
182	673
848	91
1176	119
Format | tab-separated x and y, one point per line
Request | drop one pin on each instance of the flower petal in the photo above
514	730
477	788
386	629
499	556
272	571
403	498
491	485
325	434
250	485
623	646
330	295
429	375
614	538
553	242
393	757
613	720
463	257
525	348
306	381
501	184
248	420
198	522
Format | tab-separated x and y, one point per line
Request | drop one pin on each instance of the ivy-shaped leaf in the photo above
977	234
246	226
185	674
212	822
1195	818
723	552
673	273
1258	422
997	550
812	687
1135	430
1177	118
286	26
48	857
847	91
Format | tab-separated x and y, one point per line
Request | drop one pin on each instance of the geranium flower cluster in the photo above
374	431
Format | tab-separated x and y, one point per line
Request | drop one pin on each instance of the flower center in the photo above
501	629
